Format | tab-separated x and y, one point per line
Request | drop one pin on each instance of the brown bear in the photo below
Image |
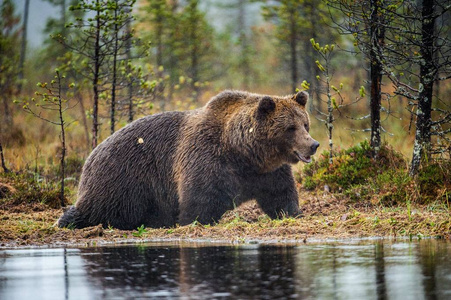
179	167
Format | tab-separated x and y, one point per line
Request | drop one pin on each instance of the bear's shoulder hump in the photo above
227	98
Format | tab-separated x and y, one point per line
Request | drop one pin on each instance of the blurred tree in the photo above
288	17
237	38
245	50
56	26
297	22
183	44
196	26
55	29
162	16
9	60
23	46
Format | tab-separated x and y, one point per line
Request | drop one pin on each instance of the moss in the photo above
384	180
348	168
434	181
309	183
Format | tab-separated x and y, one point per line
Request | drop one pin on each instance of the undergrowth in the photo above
385	180
28	188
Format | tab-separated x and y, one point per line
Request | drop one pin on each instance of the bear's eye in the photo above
306	127
291	128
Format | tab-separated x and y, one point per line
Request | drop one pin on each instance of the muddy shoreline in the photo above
326	218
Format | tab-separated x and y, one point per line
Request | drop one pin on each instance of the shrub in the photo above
434	181
349	167
384	180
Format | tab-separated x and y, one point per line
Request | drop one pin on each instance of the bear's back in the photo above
142	139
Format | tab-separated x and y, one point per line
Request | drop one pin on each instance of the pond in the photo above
374	269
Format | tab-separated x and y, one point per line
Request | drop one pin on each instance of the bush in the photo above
384	180
349	167
434	181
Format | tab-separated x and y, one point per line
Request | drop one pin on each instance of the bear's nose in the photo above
314	146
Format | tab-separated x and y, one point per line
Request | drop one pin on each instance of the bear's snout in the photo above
314	147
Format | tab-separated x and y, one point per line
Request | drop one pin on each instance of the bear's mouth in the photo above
306	159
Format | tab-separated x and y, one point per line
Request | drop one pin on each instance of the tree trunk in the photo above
159	30
128	54
5	169
377	39
427	76
244	62
83	117
8	120
23	47
310	67
95	81
194	53
114	83
330	117
63	142
293	50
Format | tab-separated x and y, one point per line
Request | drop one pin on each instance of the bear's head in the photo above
287	124
274	131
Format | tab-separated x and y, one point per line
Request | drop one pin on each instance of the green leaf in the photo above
362	91
305	85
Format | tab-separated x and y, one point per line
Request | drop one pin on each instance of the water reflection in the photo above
189	271
370	270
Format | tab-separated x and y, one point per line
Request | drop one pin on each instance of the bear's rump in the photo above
128	179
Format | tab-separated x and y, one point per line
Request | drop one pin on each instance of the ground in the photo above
326	216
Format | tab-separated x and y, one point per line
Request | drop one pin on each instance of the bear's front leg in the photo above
279	207
205	205
277	195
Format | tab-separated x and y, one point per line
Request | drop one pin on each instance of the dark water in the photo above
356	270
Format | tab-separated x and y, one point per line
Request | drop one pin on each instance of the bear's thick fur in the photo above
178	167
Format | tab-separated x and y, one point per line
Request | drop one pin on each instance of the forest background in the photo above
377	71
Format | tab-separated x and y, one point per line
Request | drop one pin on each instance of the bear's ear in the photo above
266	106
301	98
